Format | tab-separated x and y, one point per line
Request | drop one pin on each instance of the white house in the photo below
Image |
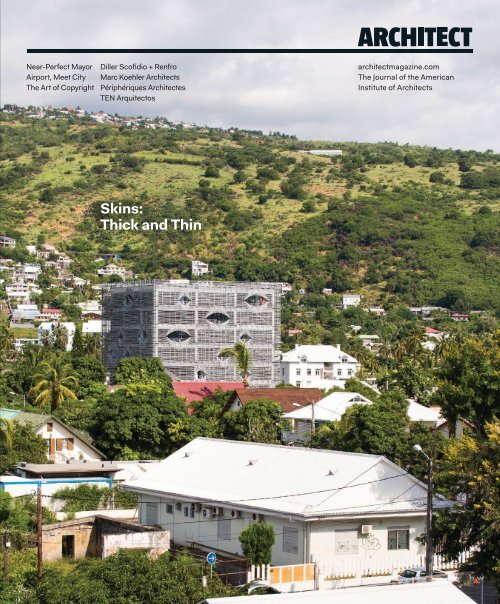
25	312
7	241
199	268
46	329
324	506
28	272
349	300
112	269
332	407
317	366
63	442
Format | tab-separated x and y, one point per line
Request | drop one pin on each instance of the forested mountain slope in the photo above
414	224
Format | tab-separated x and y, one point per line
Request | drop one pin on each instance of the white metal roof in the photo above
437	592
283	480
330	408
316	353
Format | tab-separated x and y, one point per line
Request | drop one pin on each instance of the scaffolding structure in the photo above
187	323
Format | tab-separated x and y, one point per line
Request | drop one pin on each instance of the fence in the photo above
346	569
294	577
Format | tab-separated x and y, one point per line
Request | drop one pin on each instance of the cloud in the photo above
312	95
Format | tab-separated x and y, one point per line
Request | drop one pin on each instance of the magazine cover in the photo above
249	301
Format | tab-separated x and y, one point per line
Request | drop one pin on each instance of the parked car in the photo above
257	588
412	575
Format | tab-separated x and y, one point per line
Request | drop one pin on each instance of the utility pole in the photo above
39	530
313	418
6	545
428	541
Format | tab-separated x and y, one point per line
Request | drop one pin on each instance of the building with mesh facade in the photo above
186	324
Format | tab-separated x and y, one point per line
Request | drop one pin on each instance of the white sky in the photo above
313	96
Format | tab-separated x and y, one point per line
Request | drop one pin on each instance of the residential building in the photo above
324	506
47	330
28	272
370	341
52	315
186	324
63	443
92	326
20	343
196	391
19	291
459	316
349	300
91	306
199	268
7	241
25	312
332	407
287	398
317	366
111	269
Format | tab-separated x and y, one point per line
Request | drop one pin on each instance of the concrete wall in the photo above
186	529
154	542
332	546
85	537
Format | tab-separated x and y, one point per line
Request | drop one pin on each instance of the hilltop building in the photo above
186	324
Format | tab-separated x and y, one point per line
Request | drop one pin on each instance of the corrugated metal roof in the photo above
437	592
316	353
287	398
195	391
305	482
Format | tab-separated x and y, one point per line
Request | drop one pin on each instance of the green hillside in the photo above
414	224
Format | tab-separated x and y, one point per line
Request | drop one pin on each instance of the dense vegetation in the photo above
404	223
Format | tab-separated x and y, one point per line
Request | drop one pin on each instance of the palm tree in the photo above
6	431
53	383
92	344
241	356
7	343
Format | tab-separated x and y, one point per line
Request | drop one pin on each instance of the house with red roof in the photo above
196	391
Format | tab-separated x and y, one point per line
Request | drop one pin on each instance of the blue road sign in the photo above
211	558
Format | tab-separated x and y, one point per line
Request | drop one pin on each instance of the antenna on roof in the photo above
252	462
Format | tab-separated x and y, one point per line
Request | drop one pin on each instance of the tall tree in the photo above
469	380
470	474
53	383
240	353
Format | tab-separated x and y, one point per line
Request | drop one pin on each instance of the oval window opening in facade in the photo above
178	336
256	300
218	318
184	300
245	338
201	374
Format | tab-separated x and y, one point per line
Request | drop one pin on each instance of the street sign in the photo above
211	558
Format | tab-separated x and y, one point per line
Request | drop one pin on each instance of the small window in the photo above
318	372
349	372
217	318
224	529
151	513
297	372
178	506
309	371
178	336
169	508
290	540
344	359
191	512
297	384
245	338
50	426
256	300
339	372
398	539
186	511
184	300
68	546
201	374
